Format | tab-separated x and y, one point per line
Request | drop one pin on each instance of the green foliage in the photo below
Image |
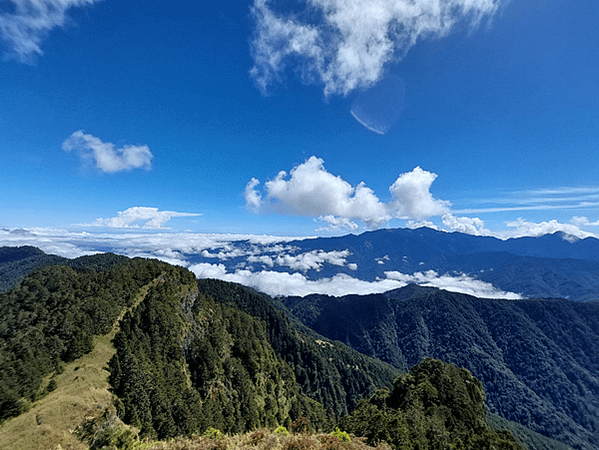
185	363
537	359
434	406
526	436
105	431
328	372
18	262
262	439
281	430
341	435
52	315
213	433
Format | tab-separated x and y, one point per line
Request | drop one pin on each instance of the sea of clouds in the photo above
269	264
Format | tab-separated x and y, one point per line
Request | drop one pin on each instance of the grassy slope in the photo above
82	391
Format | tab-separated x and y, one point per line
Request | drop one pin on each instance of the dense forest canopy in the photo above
192	355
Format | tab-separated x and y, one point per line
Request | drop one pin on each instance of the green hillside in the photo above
538	359
436	405
18	262
187	356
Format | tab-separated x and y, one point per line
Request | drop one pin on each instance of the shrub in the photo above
342	435
281	430
257	437
301	442
213	433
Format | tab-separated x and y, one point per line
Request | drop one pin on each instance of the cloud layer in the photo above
283	283
140	217
105	157
345	44
268	263
25	23
310	190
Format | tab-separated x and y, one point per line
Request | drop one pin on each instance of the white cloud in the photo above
283	283
312	260
334	223
523	227
520	227
105	156
421	224
467	225
285	257
345	44
25	23
310	190
206	270
252	198
151	218
412	198
584	222
462	283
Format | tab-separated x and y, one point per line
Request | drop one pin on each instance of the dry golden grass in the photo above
82	391
264	440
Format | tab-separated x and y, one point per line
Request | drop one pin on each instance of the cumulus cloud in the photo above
252	197
412	198
523	227
310	190
24	24
345	44
467	225
334	223
150	218
104	155
582	221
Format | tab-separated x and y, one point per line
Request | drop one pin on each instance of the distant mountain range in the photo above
550	266
556	265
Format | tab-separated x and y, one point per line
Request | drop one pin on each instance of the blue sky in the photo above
165	115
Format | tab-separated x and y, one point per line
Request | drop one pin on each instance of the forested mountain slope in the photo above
222	355
178	350
538	359
17	262
50	318
190	354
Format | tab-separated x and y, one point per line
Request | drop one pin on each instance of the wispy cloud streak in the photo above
345	44
536	200
24	24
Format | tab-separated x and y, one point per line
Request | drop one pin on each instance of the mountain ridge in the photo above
537	359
